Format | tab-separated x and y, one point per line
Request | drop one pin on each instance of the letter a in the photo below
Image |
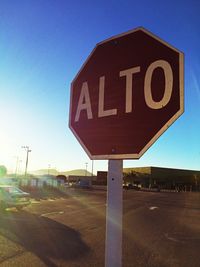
84	103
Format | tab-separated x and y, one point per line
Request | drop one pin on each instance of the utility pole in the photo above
27	152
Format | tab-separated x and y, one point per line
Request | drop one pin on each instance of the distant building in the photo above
166	178
77	178
61	179
101	178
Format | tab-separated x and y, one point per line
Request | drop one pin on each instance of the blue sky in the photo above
43	44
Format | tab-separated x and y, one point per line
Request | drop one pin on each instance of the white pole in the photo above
113	246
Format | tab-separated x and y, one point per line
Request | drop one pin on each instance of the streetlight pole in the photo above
49	166
92	167
16	168
86	168
27	152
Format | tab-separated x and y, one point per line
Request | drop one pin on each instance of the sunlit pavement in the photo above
159	229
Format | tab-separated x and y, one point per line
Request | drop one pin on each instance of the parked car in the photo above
131	186
83	184
11	196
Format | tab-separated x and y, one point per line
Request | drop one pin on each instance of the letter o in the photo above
168	84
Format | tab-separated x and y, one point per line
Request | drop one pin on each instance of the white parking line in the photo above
171	238
51	213
153	208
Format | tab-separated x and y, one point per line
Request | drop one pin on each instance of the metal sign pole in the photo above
113	246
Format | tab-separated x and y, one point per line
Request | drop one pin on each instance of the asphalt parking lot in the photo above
68	229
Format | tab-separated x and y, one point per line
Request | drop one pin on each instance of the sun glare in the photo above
196	83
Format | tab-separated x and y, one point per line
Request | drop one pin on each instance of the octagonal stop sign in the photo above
127	93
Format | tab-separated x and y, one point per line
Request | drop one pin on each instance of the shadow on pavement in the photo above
45	192
44	237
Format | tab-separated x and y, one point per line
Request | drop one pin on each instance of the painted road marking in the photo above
51	213
171	238
153	208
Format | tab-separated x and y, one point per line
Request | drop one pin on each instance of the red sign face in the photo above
128	92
